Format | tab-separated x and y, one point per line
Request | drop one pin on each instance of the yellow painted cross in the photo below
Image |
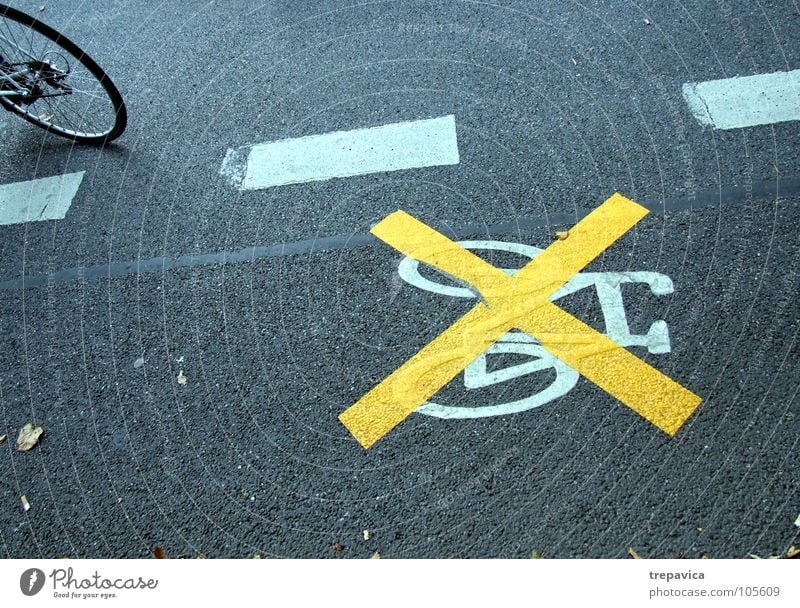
518	302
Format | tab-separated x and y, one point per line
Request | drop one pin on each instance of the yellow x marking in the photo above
518	302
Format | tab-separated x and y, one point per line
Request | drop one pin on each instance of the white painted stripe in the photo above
47	198
393	147
733	103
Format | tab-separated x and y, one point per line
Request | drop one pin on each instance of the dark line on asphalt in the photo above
763	189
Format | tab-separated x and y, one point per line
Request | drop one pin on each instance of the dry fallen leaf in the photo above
28	437
632	552
158	553
793	552
256	556
797	521
3	438
181	378
367	535
338	547
536	555
753	556
562	234
26	506
375	555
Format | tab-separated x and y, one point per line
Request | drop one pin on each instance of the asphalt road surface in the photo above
188	345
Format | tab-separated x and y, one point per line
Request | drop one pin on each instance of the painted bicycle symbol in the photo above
477	375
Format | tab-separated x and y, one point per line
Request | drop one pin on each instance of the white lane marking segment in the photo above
734	103
46	198
392	147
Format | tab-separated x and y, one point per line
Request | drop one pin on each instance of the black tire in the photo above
45	115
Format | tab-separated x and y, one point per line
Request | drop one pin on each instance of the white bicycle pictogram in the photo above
477	374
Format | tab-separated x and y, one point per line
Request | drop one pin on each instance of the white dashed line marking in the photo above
47	198
392	147
733	103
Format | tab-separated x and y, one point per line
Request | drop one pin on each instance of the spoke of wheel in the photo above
53	112
102	108
64	117
18	46
89	128
13	41
87	94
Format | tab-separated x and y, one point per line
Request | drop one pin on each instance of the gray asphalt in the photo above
282	311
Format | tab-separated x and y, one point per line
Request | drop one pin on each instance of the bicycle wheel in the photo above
49	81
